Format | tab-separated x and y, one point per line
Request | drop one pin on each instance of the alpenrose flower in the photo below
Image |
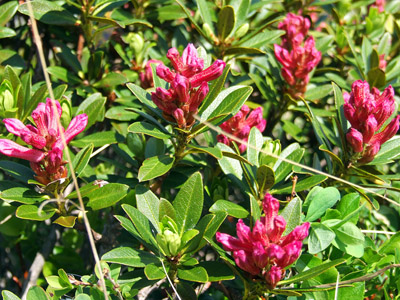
263	251
297	61
46	156
146	77
240	125
188	85
367	112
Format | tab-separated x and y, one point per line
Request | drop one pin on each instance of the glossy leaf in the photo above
226	22
37	293
155	166
255	142
187	203
129	257
148	204
31	212
107	195
232	209
148	129
320	238
81	160
195	274
217	271
321	201
23	195
292	214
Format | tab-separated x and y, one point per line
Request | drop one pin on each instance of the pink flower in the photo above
367	112
146	77
263	251
296	28
181	101
240	125
297	60
380	5
47	152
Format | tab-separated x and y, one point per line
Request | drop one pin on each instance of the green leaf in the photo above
195	244
204	10
166	209
93	107
255	209
37	293
186	291
144	228
66	221
318	92
348	204
195	274
7	11
217	271
67	56
232	209
282	168
104	20
229	101
49	13
37	97
187	203
111	79
107	195
31	212
391	245
6	32
63	74
230	166
148	129
155	166
214	152
226	22
313	272
23	195
320	238
129	257
264	38
242	51
359	62
320	202
95	65
154	272
98	139
349	239
8	295
389	151
265	177
148	204
83	297
376	78
292	214
255	141
214	90
145	98
302	185
81	160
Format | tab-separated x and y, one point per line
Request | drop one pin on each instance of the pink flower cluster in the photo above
367	112
297	61
380	5
188	85
240	125
146	77
46	156
264	251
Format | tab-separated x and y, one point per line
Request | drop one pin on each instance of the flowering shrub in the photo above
199	150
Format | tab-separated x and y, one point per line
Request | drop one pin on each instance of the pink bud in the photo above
386	134
76	126
355	140
259	255
12	149
271	209
288	76
181	87
292	253
209	74
243	232
199	96
245	262
223	139
192	63
370	151
53	114
283	56
360	94
30	137
273	276
174	57
275	253
38	115
165	73
279	226
260	232
179	117
230	243
298	234
370	126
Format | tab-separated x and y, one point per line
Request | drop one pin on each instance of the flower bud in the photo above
6	96
136	42
242	30
355	140
273	276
